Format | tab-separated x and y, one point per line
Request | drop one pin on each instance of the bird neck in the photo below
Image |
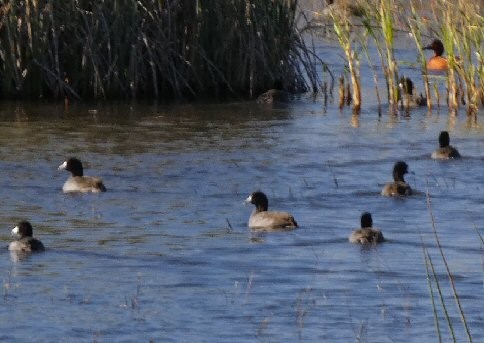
260	208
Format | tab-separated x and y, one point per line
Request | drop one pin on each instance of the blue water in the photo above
165	254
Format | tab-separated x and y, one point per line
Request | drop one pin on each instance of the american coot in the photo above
25	243
77	182
261	218
398	187
445	151
406	94
367	234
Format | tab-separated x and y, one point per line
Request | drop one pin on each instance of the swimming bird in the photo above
261	218
446	151
77	182
406	96
437	62
26	243
398	187
367	234
275	95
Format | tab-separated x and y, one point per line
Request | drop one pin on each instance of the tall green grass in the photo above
416	27
447	33
343	29
151	49
459	24
385	17
455	294
470	44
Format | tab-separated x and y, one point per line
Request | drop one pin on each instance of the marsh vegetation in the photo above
458	24
184	50
164	50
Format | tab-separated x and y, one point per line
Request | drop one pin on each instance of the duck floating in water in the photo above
446	151
406	94
344	7
26	243
263	219
398	187
77	182
437	62
366	234
274	95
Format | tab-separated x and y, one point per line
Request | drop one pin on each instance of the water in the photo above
165	254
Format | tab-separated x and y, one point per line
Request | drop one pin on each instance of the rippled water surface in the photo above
165	254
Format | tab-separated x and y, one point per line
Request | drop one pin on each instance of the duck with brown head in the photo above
398	187
437	62
445	151
77	182
263	219
366	234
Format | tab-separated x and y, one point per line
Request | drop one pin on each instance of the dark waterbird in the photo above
77	182
26	243
406	94
398	187
275	95
366	234
261	218
445	151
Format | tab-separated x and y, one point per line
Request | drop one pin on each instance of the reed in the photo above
7	285
386	20
437	94
479	234
448	36
416	27
341	92
343	29
432	296
151	49
470	41
378	21
304	304
459	24
460	27
364	46
434	276
447	270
